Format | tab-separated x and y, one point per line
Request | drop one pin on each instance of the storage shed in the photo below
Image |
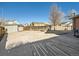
11	28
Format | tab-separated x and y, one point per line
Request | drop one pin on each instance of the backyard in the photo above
36	43
24	37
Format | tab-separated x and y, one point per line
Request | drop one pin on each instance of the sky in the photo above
27	12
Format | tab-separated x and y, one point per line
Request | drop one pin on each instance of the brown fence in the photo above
36	28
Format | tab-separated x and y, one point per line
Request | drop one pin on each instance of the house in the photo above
37	26
13	26
20	27
64	26
76	25
67	25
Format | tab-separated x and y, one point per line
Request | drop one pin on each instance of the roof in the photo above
67	24
38	23
10	24
10	20
20	25
77	16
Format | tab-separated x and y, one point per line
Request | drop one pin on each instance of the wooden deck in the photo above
59	46
62	45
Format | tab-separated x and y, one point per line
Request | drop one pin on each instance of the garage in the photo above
11	28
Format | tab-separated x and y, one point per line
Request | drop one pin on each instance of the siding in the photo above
20	28
77	23
13	28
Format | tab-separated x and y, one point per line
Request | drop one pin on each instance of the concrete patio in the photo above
18	38
55	45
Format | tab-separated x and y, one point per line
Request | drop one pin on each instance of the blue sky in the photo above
26	12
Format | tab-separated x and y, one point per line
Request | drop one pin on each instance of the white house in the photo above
11	26
20	27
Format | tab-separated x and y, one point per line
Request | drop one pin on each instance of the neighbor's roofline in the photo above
77	16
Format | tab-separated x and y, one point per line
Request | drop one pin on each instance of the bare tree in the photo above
55	15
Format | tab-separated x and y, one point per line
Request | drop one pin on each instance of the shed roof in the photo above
10	24
39	23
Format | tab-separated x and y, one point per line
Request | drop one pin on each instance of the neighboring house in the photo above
37	26
12	26
20	27
63	26
67	25
26	24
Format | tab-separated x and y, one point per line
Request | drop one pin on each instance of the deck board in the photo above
60	46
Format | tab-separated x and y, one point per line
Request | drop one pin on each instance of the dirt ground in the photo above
18	38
